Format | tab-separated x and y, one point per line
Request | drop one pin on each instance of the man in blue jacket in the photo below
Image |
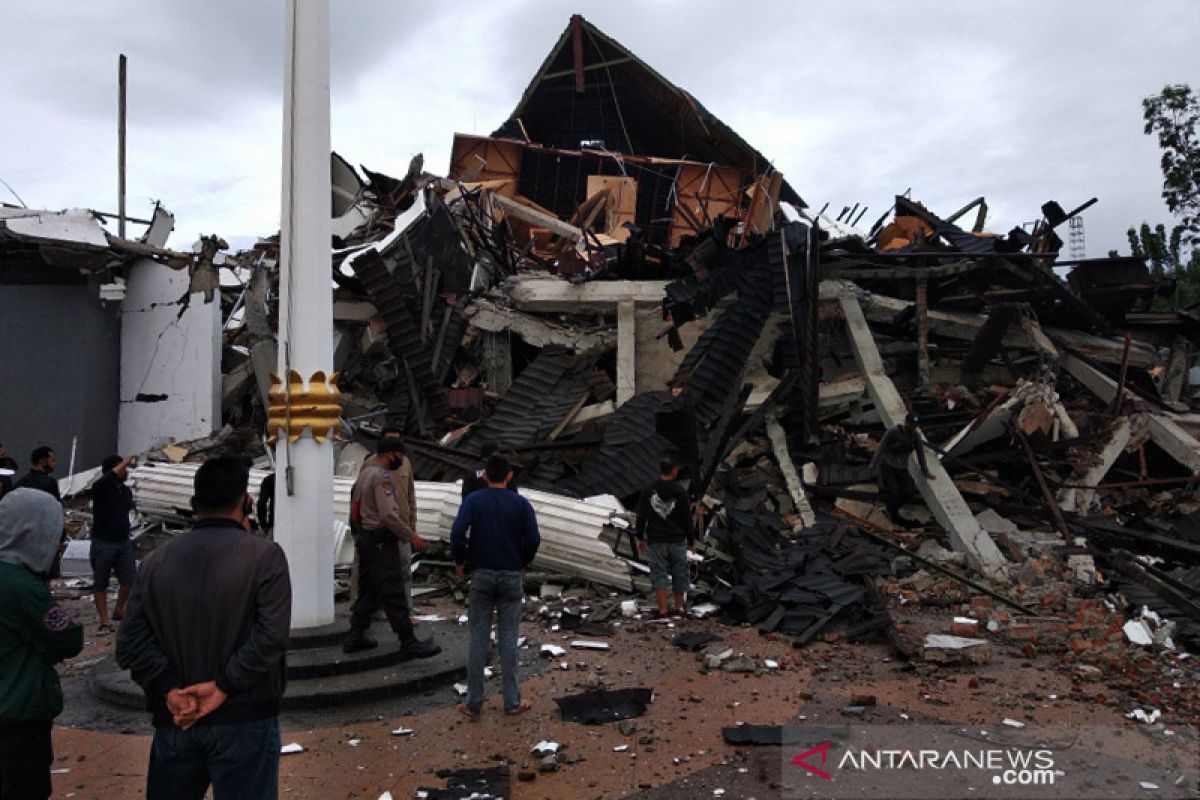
495	535
35	634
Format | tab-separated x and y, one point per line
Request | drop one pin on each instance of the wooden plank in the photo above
570	417
537	218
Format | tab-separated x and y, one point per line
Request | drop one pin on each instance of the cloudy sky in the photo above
855	102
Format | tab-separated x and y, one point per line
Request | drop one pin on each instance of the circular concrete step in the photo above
321	677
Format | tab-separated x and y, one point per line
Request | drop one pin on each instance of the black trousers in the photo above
897	487
380	584
25	759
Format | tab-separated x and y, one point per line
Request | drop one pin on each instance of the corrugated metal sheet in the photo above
537	401
571	529
404	334
628	458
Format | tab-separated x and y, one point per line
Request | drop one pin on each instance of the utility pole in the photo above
121	146
305	406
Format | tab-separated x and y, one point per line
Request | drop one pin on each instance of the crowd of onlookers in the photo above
204	620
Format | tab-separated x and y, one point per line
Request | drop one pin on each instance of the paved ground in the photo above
676	749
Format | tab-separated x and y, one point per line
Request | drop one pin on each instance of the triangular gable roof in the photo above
624	103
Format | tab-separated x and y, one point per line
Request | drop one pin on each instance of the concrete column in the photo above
497	361
304	486
626	351
923	334
1082	499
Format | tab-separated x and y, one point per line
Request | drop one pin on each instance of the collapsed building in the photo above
109	342
614	276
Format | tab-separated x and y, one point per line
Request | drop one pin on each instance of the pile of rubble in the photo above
596	290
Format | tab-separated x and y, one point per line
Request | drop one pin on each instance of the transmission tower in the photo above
1075	241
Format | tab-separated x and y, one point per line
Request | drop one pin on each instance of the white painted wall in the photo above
165	354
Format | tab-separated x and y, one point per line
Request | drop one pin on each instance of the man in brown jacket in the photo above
379	529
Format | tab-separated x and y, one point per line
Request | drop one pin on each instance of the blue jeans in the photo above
502	591
240	760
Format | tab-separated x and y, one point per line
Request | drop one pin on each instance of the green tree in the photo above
1168	259
1155	246
1174	117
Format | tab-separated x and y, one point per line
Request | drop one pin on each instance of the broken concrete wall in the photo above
657	363
170	361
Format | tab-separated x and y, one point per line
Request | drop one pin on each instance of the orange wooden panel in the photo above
707	191
478	158
622	202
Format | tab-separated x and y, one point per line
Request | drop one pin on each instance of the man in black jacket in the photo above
205	635
42	463
664	520
891	459
111	549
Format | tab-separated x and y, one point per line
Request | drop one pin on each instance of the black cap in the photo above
911	418
389	444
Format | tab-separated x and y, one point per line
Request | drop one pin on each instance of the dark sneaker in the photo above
356	644
415	648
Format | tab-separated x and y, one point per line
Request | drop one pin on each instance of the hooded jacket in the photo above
35	632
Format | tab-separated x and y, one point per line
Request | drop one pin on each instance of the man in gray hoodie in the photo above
35	634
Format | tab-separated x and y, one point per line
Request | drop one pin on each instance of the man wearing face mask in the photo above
205	634
35	634
379	529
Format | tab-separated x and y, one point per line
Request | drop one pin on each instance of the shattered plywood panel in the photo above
477	158
622	202
706	191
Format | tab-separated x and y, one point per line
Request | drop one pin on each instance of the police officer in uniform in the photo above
379	529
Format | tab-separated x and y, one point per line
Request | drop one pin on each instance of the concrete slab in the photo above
940	494
1165	430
